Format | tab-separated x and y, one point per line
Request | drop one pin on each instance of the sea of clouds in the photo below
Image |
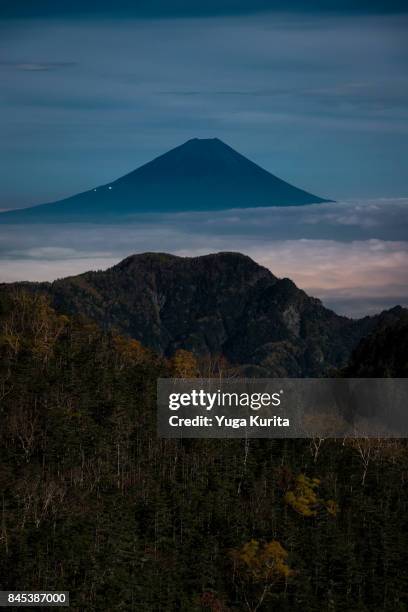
353	255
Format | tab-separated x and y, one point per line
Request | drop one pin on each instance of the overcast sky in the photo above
318	98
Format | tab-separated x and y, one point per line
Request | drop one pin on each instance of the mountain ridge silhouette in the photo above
199	175
220	304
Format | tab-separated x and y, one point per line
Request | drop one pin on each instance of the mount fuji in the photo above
199	175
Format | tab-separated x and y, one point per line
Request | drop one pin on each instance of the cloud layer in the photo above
352	255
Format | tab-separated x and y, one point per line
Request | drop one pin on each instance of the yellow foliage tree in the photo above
259	567
33	326
132	350
304	499
184	364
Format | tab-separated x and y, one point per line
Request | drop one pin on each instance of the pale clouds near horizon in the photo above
352	255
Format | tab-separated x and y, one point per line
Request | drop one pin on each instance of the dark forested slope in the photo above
221	304
384	352
94	503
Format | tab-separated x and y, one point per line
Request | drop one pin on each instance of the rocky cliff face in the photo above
221	304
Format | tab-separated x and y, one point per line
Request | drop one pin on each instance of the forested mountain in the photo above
384	352
221	304
93	502
201	174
